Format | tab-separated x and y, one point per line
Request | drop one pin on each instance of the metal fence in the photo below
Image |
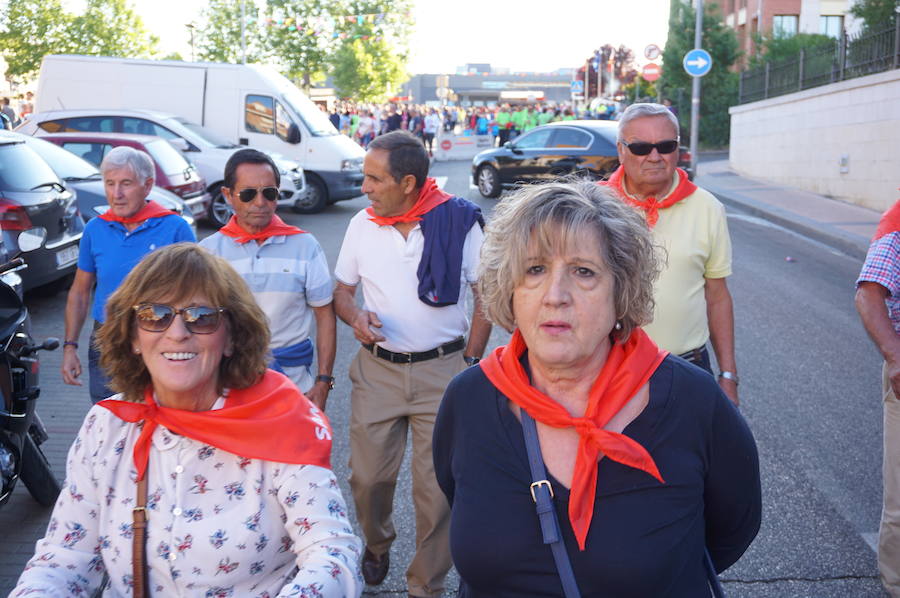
867	52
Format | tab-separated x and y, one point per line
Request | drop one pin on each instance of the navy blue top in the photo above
444	229
645	539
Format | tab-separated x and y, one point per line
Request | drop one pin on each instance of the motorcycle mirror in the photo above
32	239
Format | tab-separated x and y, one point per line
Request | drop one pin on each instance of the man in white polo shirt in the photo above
414	251
285	269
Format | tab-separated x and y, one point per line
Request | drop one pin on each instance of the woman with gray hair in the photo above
640	467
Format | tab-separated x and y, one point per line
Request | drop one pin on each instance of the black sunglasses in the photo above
642	148
157	317
248	195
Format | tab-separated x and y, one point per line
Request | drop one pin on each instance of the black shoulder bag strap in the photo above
542	494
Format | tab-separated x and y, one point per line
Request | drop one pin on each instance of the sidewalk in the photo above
845	227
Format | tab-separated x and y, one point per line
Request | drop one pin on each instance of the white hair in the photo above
139	162
642	110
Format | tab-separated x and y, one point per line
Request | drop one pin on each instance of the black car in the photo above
33	197
550	151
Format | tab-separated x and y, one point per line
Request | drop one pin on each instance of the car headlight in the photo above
354	164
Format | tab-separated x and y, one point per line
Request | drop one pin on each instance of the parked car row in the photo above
556	149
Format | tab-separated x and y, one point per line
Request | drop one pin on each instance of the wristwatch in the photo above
471	360
730	376
329	380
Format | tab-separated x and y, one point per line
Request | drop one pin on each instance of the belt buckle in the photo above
407	357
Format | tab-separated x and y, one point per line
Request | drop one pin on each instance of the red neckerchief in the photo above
275	228
650	205
269	420
430	196
628	367
889	223
151	209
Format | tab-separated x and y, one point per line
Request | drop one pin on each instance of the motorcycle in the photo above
21	430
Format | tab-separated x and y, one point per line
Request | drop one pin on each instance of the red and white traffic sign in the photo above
446	144
651	72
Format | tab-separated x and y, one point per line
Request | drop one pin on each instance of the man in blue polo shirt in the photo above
111	246
285	269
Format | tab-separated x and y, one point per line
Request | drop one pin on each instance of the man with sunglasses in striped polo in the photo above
693	304
285	269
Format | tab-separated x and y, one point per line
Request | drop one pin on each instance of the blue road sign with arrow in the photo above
697	62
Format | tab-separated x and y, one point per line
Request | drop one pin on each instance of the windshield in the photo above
315	120
21	169
206	135
169	159
67	165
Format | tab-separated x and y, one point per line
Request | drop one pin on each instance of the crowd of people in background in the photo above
11	117
363	122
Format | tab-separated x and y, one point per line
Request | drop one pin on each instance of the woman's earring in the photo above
618	325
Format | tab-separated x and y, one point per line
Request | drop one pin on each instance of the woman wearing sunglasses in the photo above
207	475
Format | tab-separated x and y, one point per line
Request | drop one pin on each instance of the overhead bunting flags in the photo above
318	25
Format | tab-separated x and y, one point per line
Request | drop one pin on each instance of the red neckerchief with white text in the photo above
627	369
270	420
650	205
889	223
151	209
276	227
430	196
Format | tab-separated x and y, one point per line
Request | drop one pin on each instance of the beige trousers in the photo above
387	400
889	534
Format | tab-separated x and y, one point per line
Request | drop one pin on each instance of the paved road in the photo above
810	387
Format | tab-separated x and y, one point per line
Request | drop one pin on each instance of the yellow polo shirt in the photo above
694	233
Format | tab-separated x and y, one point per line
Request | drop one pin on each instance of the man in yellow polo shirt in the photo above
693	304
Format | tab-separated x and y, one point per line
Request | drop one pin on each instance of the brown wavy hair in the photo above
173	274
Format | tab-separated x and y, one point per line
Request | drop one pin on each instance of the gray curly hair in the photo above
554	215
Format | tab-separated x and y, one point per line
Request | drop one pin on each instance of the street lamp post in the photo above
190	27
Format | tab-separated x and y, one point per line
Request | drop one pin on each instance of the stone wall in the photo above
841	140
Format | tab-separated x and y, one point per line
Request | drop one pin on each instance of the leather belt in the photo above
445	349
695	355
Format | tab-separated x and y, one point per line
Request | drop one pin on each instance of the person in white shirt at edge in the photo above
240	497
432	126
285	269
415	252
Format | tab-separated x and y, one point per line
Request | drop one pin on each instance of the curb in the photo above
849	244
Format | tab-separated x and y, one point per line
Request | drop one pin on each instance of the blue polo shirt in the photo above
109	251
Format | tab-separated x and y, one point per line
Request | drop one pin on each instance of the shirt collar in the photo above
675	181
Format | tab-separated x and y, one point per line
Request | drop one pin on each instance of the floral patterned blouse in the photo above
219	525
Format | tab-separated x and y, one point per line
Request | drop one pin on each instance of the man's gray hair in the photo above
550	219
123	156
643	110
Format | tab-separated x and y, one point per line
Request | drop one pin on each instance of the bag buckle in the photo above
538	484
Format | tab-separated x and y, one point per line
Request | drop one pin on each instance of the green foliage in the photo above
218	39
776	48
111	28
875	14
719	88
302	36
645	89
370	62
31	29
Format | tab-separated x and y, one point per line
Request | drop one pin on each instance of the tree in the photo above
370	62
645	89
719	87
875	14
218	39
367	71
29	30
111	28
776	48
301	36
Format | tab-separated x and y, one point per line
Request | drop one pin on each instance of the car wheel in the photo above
488	181
314	198
220	211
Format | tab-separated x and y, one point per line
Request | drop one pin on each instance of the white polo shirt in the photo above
386	263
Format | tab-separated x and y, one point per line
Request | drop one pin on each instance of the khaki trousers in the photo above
386	400
889	534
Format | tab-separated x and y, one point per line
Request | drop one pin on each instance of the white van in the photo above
248	104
